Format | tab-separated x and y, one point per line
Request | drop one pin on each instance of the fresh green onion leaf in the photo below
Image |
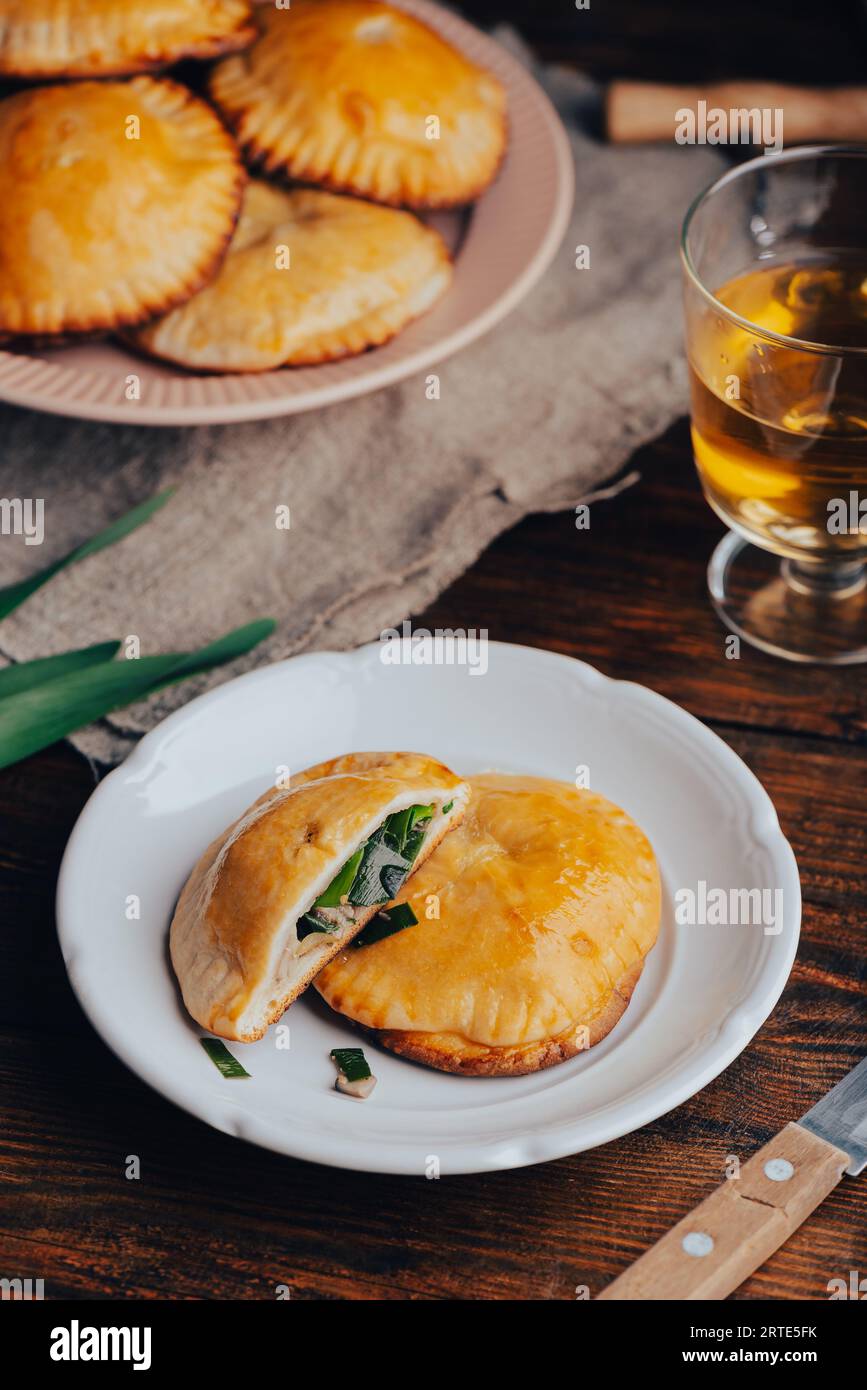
14	594
32	719
24	675
351	1061
447	808
223	1060
386	923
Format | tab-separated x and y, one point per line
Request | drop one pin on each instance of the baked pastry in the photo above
299	875
548	902
99	38
117	201
309	277
365	99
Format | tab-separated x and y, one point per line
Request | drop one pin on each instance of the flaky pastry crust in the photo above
117	201
309	277
48	39
360	97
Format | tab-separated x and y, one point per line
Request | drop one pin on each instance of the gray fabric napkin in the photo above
391	496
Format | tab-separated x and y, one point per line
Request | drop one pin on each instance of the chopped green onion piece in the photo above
311	922
396	828
411	848
401	823
387	923
447	808
223	1060
351	1061
381	873
377	870
340	886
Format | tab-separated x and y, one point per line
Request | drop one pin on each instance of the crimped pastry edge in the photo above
377	327
232	41
225	91
260	159
476	1059
73	328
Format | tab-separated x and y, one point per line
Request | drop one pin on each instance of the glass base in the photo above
802	612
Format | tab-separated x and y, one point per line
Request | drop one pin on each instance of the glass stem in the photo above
823	579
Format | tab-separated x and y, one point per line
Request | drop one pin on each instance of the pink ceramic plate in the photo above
501	247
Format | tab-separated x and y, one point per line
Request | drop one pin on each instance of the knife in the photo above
736	1228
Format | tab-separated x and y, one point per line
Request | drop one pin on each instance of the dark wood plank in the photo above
684	42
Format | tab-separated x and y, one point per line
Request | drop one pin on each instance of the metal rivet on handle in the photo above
697	1243
778	1169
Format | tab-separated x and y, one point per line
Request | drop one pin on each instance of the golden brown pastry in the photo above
99	38
117	201
548	902
309	277
299	875
362	98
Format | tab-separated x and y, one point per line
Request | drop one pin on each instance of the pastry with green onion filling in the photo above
300	874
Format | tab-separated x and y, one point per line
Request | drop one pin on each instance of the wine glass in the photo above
774	258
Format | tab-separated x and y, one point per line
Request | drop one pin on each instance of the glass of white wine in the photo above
774	259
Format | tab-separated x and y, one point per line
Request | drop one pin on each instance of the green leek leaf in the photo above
14	594
24	675
32	719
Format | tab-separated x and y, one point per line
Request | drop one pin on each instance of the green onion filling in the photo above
386	923
376	872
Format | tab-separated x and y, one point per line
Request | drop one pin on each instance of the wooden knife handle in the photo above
736	1228
643	111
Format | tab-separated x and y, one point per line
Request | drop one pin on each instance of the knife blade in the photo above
840	1118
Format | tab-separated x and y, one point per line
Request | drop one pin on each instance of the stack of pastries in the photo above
518	913
269	219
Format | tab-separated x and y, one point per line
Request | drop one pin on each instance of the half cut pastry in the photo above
117	201
309	277
100	38
363	98
298	876
534	920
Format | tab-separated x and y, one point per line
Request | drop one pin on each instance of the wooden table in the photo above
212	1217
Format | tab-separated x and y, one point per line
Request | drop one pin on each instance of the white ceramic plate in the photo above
703	994
501	247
